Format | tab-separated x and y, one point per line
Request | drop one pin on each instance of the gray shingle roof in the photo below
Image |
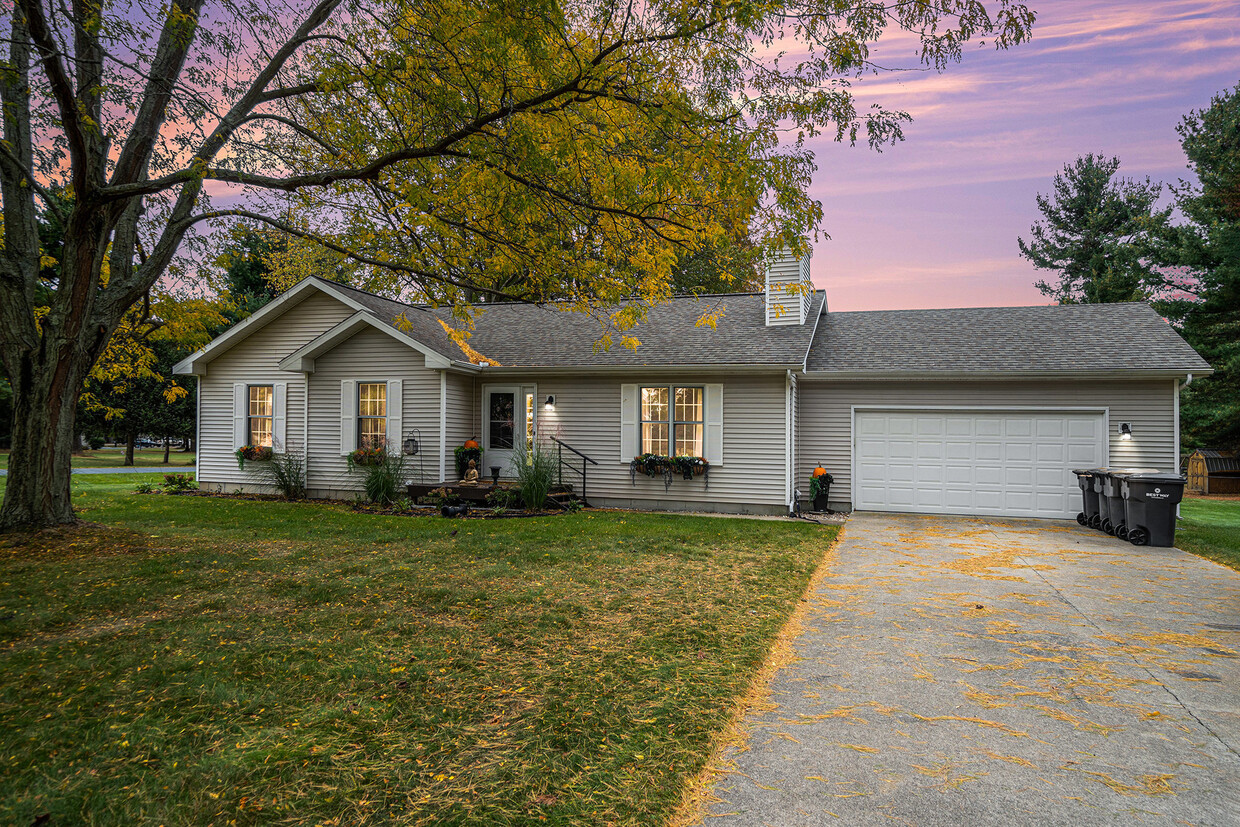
1075	337
531	336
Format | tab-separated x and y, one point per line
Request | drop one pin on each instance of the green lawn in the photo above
1211	529
195	660
114	457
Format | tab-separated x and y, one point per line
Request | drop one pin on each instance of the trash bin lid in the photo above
1084	472
1129	472
1158	478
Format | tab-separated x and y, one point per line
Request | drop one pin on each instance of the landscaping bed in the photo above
193	660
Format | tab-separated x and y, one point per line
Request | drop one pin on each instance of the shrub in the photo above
144	488
95	442
504	498
176	483
439	497
536	468
287	472
385	479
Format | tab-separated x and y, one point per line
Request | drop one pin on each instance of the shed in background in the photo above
1214	472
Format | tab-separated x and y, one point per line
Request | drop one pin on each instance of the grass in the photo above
1210	528
193	660
114	457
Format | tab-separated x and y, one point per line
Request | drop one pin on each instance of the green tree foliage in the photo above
245	260
1095	233
580	145
1203	257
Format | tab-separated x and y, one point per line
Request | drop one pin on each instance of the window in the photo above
673	429
259	417
371	414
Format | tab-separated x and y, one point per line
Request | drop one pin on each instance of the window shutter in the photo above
629	436
712	445
348	416
394	428
241	412
279	416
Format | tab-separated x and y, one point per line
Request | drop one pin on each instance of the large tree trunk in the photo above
167	448
44	405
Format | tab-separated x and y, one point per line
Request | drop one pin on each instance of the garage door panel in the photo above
988	451
975	462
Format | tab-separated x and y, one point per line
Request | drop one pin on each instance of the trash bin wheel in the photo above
1121	531
1082	519
1108	527
1138	536
1095	521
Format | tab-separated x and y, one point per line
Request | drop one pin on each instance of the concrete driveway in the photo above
959	671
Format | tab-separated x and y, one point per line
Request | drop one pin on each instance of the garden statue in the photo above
471	476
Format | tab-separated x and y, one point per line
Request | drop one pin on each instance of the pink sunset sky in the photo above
933	221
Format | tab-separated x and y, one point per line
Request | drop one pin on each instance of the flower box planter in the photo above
252	453
659	465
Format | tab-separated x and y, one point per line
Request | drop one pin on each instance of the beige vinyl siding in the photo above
462	402
825	416
370	356
254	361
587	416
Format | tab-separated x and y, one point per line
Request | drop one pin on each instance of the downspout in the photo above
1188	380
198	432
788	497
443	425
305	429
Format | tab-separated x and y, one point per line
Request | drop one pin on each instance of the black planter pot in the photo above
820	503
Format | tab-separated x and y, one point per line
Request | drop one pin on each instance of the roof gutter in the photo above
956	375
543	370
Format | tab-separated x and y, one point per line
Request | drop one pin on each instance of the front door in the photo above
507	416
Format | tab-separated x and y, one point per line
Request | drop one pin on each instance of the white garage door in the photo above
1007	464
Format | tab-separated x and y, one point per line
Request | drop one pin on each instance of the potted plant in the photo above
819	487
464	453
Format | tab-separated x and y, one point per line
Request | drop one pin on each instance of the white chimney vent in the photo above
789	290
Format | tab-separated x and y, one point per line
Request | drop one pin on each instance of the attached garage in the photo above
1002	463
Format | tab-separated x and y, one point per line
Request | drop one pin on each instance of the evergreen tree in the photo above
1095	234
1204	252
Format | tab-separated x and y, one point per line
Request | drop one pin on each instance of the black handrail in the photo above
565	464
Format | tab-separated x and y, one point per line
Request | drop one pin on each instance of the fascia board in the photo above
955	375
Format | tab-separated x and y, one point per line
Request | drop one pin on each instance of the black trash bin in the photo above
1119	507
1111	497
1089	497
1151	500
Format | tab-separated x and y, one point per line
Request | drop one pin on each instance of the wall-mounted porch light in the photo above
1125	431
550	403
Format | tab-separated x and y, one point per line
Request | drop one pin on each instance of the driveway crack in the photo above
1136	662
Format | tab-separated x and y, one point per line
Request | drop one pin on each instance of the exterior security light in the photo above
550	403
1125	431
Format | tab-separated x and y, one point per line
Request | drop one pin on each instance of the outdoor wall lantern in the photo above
1125	431
550	403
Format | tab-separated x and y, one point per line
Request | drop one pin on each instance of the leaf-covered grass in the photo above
195	660
115	457
1210	528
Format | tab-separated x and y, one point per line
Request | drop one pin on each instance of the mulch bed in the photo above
480	513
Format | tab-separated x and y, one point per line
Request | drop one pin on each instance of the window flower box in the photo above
366	457
252	453
668	467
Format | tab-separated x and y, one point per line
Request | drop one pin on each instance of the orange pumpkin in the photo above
820	471
471	443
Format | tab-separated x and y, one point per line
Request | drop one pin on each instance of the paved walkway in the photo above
959	671
156	469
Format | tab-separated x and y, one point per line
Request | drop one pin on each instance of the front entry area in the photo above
991	463
507	417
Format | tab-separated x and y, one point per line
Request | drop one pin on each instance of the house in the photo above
971	411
